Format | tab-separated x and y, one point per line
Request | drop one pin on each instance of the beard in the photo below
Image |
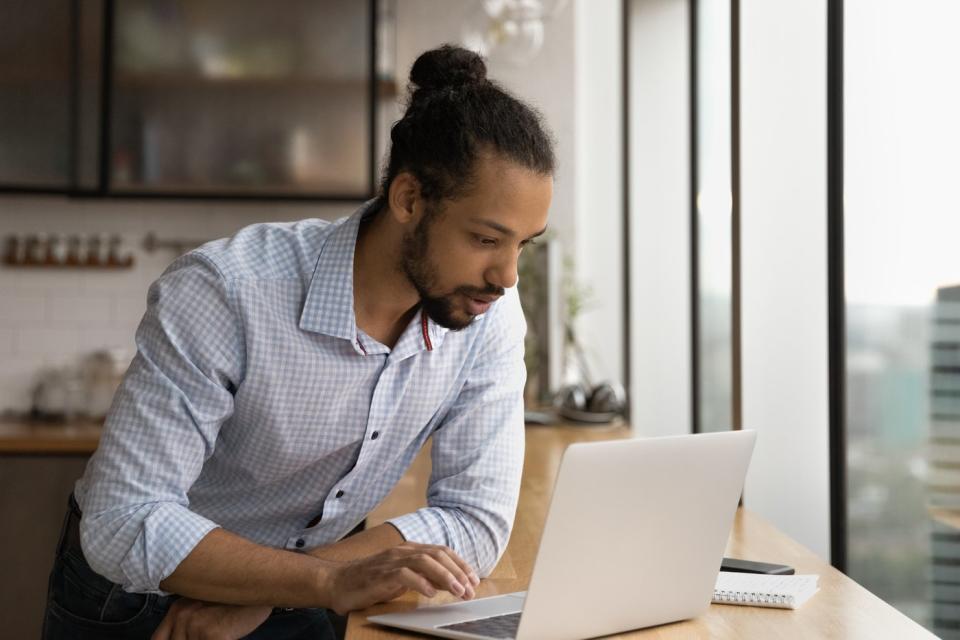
423	275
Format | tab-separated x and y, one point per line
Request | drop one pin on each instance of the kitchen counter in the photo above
39	464
26	437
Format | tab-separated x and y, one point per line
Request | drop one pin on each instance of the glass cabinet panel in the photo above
35	94
239	97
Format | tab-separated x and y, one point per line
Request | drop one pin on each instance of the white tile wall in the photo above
6	343
51	318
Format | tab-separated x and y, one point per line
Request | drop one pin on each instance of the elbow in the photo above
490	543
487	562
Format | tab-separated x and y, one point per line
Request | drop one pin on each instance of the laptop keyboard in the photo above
504	626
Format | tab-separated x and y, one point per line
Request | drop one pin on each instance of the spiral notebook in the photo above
762	590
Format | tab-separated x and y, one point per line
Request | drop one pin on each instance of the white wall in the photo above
659	217
784	264
575	82
598	211
50	317
546	83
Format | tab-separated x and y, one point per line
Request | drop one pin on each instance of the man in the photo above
286	377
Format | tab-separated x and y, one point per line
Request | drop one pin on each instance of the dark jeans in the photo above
83	605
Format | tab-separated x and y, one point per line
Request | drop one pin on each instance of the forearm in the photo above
225	568
360	545
229	569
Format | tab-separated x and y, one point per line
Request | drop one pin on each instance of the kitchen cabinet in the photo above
33	501
35	94
200	98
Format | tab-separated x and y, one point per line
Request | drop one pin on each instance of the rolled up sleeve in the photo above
477	451
137	525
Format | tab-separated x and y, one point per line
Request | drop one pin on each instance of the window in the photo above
713	219
902	280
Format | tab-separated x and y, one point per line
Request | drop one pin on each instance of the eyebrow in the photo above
496	226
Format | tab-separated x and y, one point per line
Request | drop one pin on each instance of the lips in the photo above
478	305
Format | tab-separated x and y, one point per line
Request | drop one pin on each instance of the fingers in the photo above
172	628
188	619
415	581
446	573
422	568
438	575
441	566
462	570
163	631
182	619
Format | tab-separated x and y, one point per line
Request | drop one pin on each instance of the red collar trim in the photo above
426	330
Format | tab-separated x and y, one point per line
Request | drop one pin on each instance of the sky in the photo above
902	147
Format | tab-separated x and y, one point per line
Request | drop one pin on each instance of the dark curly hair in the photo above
453	114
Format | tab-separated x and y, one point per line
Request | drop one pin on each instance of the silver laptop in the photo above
634	537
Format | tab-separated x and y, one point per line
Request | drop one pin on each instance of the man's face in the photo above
461	257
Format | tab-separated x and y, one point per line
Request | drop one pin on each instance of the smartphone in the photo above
749	566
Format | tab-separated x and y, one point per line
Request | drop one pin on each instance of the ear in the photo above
404	198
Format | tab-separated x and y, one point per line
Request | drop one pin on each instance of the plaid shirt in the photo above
255	403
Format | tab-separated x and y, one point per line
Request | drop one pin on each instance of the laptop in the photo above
634	537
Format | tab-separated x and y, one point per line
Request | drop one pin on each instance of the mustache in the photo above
489	290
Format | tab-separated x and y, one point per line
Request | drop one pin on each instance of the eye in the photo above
485	240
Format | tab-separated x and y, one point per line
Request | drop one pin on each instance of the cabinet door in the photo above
35	94
242	97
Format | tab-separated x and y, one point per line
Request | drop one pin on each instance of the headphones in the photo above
581	403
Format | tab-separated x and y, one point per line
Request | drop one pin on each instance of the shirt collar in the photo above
328	308
422	334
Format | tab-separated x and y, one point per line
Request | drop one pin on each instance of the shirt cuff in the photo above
420	526
167	536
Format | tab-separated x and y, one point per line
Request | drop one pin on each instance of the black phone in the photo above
750	566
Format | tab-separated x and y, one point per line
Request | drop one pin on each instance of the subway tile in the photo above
78	311
21	307
51	317
98	339
15	393
18	376
6	343
26	281
128	309
44	341
118	281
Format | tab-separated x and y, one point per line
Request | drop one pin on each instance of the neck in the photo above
384	301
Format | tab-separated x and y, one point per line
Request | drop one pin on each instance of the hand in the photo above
192	619
410	566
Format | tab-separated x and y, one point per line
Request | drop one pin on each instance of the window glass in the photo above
713	211
902	267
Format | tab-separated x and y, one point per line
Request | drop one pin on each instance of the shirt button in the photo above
374	435
340	493
300	543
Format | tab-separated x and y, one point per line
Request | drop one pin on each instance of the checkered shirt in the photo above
255	403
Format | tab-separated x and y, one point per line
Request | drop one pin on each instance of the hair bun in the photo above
447	66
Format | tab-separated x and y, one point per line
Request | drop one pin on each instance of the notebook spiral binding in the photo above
752	597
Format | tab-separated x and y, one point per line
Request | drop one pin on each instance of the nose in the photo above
504	272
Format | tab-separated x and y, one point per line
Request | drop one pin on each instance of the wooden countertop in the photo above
842	608
23	437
